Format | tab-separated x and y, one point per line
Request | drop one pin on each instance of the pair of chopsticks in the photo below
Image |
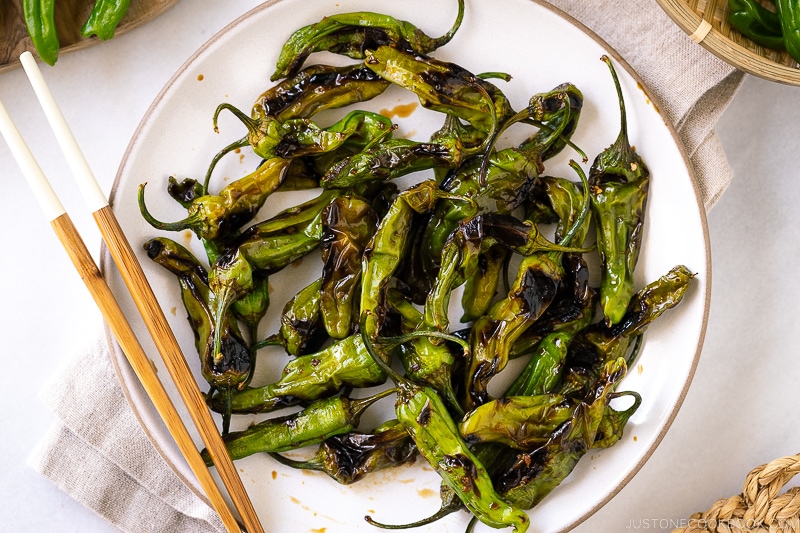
143	297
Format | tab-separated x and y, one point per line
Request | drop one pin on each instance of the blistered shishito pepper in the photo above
348	224
442	86
620	182
349	457
320	420
104	18
535	474
302	329
461	251
647	304
789	15
352	34
218	216
534	289
510	177
424	415
227	368
388	246
270	137
40	21
756	22
389	160
345	363
521	422
316	88
600	343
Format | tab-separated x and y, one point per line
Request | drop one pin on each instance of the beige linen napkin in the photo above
102	457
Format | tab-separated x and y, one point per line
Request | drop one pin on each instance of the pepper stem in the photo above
584	208
250	124
447	37
623	118
438	515
227	399
400	339
180	225
273	340
241	143
380	361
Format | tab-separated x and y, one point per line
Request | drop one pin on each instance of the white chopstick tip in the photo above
26	57
92	193
44	193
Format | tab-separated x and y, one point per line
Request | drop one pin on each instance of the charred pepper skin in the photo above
350	457
346	363
352	34
442	86
620	183
316	88
426	418
312	425
348	225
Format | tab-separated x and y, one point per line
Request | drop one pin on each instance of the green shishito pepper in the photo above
40	22
214	216
424	415
351	34
619	182
104	18
349	457
346	363
535	474
442	86
312	425
756	22
789	15
316	88
348	225
226	361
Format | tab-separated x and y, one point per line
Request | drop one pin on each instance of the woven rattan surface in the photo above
763	506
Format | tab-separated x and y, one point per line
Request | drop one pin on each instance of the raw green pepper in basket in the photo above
104	18
40	21
789	15
756	22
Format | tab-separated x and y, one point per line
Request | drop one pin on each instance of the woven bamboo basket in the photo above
706	21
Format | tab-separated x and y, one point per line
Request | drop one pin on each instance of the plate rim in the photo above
106	262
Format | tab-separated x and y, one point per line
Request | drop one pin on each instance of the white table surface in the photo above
740	410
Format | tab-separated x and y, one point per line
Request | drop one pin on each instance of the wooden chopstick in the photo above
143	296
113	315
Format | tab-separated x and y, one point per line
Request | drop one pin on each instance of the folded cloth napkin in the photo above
103	458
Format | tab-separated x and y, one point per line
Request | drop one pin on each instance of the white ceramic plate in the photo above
541	49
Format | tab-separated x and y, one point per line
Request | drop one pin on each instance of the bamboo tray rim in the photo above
724	48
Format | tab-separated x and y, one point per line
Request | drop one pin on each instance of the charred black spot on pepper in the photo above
424	415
